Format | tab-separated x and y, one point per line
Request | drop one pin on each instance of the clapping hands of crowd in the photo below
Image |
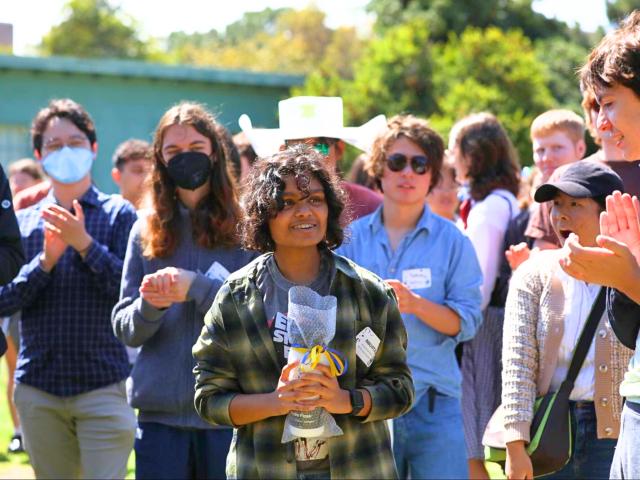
614	262
166	286
61	229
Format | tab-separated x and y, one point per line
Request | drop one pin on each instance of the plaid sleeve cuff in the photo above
217	409
35	274
384	404
97	257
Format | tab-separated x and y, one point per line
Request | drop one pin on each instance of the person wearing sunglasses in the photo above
487	164
318	123
434	272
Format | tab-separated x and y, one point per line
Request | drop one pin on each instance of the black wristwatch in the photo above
357	401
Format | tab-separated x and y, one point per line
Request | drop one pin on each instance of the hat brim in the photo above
267	141
549	191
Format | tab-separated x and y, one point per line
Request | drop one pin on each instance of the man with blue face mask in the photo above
70	391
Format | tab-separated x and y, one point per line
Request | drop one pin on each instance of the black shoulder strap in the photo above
589	330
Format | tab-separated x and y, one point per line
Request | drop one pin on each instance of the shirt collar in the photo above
425	222
90	197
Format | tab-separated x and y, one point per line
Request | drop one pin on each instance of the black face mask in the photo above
189	170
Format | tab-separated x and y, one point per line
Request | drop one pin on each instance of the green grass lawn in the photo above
17	465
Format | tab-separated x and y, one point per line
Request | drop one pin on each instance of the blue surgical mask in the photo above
68	165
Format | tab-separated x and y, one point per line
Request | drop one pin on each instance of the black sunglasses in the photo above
397	161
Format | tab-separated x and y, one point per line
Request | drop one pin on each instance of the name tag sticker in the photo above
417	278
367	344
217	271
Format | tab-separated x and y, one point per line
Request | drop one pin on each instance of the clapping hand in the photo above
69	227
166	286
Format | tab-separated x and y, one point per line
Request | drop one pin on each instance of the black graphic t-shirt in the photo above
275	294
311	453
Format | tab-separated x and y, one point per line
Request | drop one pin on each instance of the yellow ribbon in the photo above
312	357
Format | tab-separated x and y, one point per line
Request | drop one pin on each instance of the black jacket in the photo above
624	315
11	254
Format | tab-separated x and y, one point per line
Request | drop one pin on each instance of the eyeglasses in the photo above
397	161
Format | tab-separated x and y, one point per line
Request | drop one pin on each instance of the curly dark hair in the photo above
216	215
62	108
262	198
494	162
419	132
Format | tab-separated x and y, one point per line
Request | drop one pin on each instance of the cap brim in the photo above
548	191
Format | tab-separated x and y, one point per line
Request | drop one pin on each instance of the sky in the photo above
158	19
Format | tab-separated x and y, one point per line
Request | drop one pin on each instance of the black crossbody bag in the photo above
551	442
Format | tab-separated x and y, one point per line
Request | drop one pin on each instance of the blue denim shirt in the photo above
436	248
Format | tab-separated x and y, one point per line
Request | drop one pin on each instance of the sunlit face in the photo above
619	119
554	150
184	138
61	132
443	199
576	215
131	179
302	223
21	180
405	187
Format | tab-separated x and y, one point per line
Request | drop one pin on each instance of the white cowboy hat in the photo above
308	117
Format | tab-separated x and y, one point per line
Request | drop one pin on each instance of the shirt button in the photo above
604	401
392	270
603	368
602	333
608	431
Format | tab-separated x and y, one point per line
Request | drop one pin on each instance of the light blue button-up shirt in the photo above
437	261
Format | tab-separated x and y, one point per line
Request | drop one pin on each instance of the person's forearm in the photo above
250	408
439	317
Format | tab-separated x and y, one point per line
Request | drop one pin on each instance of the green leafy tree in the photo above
491	70
446	16
618	9
252	23
282	40
94	29
562	59
392	75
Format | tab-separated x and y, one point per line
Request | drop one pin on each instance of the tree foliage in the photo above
94	29
444	17
495	71
281	40
618	9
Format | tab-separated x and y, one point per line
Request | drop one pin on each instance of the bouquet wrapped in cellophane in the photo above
312	326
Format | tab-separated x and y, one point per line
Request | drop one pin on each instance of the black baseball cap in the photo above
583	179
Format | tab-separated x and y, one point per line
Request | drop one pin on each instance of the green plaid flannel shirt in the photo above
235	354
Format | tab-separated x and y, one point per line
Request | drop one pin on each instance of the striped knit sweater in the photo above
533	330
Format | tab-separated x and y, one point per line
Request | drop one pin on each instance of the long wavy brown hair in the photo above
215	217
494	161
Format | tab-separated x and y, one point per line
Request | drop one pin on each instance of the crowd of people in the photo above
159	319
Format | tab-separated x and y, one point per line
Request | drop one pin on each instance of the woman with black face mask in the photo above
178	256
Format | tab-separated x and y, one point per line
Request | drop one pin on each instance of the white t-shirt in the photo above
486	225
578	300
